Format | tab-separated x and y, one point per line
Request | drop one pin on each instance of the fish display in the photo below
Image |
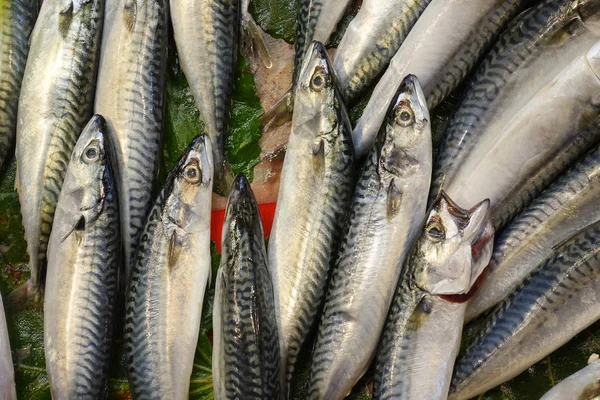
55	103
206	34
386	216
246	345
163	300
131	97
441	48
17	18
7	372
424	323
316	189
83	268
371	40
582	385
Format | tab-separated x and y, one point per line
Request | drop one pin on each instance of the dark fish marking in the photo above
394	199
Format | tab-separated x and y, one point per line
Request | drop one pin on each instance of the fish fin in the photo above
252	39
217	363
318	150
25	295
174	249
394	199
279	114
130	13
17	181
65	17
77	227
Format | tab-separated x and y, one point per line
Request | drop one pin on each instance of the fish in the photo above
17	18
582	385
55	104
131	97
206	36
557	301
8	389
535	48
245	341
317	182
563	209
386	216
83	268
422	334
163	300
371	40
441	49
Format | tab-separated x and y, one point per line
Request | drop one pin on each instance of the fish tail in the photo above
25	295
252	39
279	114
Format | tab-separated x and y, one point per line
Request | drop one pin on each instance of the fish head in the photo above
189	185
405	138
455	247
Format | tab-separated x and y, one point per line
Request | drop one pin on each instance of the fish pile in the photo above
390	237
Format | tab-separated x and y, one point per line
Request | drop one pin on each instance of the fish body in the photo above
371	40
532	321
536	47
163	301
582	385
315	192
206	35
55	103
563	209
422	334
130	96
7	372
17	18
441	48
386	217
246	345
83	266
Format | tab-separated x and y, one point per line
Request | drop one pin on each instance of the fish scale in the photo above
54	106
17	18
246	348
130	95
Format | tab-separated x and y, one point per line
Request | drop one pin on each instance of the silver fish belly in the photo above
563	209
131	95
55	103
557	301
17	18
315	192
386	216
582	385
83	267
422	334
7	372
245	341
440	50
163	301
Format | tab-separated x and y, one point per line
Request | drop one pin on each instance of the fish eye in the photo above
318	81
91	153
435	231
405	116
192	174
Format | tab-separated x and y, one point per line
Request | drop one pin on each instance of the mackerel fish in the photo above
246	344
558	300
424	323
131	96
7	372
163	301
386	217
17	18
317	182
441	49
563	209
371	40
83	268
582	385
55	103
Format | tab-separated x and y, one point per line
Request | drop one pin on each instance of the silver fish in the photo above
422	334
440	50
371	40
206	33
386	217
17	18
557	301
245	342
55	103
131	96
563	209
83	267
315	192
536	47
7	372
582	385
163	301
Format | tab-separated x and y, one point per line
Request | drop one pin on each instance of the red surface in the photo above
267	212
